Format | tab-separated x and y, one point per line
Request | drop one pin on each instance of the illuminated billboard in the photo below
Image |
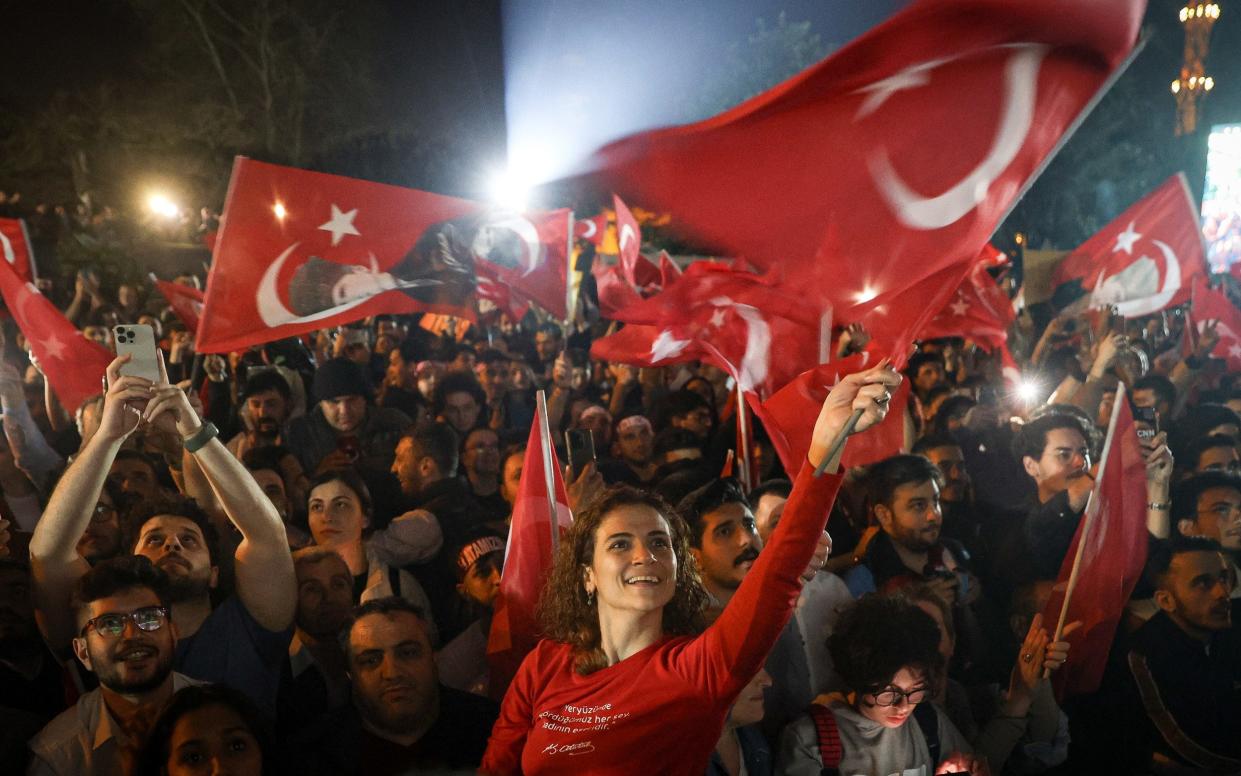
1221	197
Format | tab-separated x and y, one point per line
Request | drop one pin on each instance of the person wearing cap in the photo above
462	662
345	429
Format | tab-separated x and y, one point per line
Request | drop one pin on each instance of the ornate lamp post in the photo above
1197	17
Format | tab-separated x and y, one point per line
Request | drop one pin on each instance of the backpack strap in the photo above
830	750
928	720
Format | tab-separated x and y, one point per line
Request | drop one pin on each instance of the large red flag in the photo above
742	323
1111	542
540	517
1146	259
979	310
1212	305
890	161
628	240
185	301
300	250
592	230
15	246
789	417
74	365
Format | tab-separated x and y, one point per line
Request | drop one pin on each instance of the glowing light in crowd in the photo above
509	190
866	294
279	210
161	205
1028	391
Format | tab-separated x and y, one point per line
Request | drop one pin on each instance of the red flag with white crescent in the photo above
1146	259
979	310
299	251
16	248
1210	305
592	230
628	241
892	160
72	364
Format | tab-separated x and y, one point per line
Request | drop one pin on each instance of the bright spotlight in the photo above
1028	391
509	191
161	205
279	210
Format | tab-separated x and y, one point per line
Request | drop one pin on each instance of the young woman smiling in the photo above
626	680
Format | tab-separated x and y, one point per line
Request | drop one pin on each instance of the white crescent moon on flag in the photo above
8	249
588	229
752	371
1171	284
1020	92
626	236
532	257
272	310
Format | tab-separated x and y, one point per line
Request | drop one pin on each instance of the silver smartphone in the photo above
138	342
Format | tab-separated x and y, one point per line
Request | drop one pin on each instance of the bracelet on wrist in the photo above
1162	506
196	441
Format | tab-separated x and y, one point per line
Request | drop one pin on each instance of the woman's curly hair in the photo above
564	610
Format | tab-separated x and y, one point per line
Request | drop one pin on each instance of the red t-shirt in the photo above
662	709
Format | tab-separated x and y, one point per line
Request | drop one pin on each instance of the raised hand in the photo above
867	391
124	402
170	405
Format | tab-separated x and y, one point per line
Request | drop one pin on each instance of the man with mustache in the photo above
1177	700
126	637
1209	505
266	401
401	719
725	542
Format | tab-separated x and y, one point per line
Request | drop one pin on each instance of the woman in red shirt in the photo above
627	681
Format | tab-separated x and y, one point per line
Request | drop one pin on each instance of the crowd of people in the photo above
285	560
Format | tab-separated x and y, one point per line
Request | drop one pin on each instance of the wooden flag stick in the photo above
743	426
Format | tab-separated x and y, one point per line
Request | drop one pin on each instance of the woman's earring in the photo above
590	597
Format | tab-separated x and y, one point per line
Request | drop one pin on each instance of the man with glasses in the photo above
1209	505
102	538
1176	702
127	639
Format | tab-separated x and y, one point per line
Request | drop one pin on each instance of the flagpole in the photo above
1092	509
743	427
570	306
545	444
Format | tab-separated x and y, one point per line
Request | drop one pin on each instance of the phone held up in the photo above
1147	421
138	342
581	446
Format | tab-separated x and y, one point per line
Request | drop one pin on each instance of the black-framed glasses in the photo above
892	696
112	624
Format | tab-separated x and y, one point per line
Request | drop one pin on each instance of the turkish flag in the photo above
185	301
501	298
893	159
74	365
1111	538
979	310
1146	259
592	230
300	250
993	256
790	414
615	293
15	245
669	271
628	241
541	516
1212	305
740	322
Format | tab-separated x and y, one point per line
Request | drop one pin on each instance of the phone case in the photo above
137	341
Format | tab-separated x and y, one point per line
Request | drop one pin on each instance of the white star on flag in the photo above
717	317
340	224
54	348
666	346
1234	351
909	78
1126	239
959	307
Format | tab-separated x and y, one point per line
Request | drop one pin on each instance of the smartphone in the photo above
350	446
580	443
137	341
1147	421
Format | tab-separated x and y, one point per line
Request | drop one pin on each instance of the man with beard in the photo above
126	637
1178	701
242	641
266	401
102	538
402	719
725	542
315	678
634	453
1209	505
